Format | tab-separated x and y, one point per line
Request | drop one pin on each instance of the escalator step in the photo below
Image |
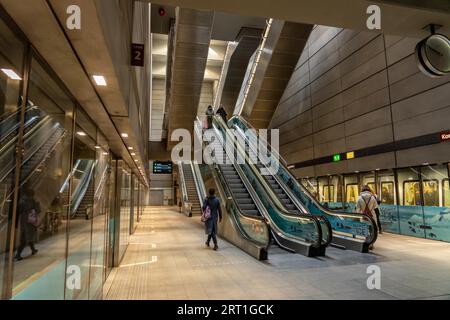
251	212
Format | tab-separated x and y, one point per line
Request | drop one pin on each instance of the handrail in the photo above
101	183
293	180
326	230
33	150
184	197
80	193
66	182
198	181
36	167
240	217
304	218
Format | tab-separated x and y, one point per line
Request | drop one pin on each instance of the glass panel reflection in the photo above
40	257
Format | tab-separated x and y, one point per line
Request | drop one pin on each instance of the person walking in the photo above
212	203
28	217
209	116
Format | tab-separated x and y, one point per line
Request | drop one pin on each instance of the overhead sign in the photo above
351	155
162	167
445	136
137	55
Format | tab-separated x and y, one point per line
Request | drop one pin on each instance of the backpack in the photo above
33	218
366	209
206	215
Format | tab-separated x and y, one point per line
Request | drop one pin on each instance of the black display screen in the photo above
162	167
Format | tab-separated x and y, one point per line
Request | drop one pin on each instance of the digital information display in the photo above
160	167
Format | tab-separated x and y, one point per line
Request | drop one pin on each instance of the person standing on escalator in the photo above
209	116
212	206
221	112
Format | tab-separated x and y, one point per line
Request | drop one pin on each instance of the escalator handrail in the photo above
297	203
22	182
263	182
310	196
17	125
101	184
199	185
223	186
34	150
309	218
81	189
184	198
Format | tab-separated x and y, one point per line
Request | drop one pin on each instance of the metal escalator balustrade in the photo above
192	193
295	233
241	202
350	230
287	200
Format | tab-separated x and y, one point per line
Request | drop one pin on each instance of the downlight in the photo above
433	54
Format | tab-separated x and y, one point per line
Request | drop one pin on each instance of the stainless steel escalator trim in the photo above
80	193
186	204
297	203
312	198
274	227
36	167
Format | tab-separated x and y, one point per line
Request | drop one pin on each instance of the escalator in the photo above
82	194
296	233
350	230
41	138
192	193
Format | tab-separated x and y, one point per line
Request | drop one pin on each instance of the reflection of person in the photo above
216	214
209	116
28	231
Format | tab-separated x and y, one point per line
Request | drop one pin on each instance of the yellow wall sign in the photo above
351	155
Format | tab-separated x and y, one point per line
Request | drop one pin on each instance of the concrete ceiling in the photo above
399	17
72	58
189	58
226	26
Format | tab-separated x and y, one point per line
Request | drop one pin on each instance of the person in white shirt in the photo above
367	203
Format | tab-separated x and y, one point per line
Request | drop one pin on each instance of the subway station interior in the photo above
313	137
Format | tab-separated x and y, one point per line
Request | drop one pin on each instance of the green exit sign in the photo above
337	157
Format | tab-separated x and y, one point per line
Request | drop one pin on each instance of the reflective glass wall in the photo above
58	212
12	52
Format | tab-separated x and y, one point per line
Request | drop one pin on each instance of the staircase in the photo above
191	190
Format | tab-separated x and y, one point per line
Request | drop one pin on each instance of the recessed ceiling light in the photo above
97	147
81	133
11	74
130	148
124	135
136	160
100	81
105	153
133	154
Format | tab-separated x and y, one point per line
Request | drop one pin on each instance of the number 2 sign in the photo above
137	55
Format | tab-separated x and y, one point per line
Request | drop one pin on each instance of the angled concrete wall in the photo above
352	90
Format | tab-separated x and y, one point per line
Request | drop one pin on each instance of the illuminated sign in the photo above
445	136
337	157
160	167
351	155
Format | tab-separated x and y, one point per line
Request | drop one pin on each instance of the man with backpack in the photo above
211	213
368	204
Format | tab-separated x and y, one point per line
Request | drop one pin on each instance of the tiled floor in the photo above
167	259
